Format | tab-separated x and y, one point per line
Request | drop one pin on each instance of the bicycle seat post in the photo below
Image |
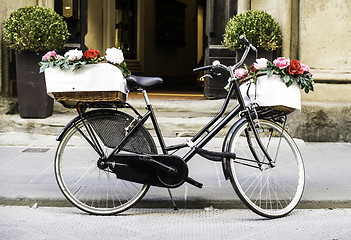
146	97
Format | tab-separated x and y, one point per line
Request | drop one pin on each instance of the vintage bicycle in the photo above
106	159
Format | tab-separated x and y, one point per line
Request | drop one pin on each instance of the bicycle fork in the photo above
254	129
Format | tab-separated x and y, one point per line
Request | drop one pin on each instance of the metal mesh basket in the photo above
111	129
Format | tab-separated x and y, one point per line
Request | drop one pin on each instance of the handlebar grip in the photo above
244	40
247	43
202	68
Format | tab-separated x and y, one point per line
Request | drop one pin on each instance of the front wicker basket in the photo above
273	102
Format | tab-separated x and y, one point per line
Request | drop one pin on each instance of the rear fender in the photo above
78	118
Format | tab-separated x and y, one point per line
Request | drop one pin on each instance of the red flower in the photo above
253	69
295	67
91	54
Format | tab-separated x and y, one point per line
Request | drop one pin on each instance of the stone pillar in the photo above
109	8
325	34
286	14
218	14
46	3
243	5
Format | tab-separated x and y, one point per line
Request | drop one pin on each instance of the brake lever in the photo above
205	76
212	74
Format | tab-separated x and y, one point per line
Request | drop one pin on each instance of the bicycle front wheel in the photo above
84	183
269	190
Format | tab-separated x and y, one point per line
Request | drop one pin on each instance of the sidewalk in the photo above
23	222
27	150
27	177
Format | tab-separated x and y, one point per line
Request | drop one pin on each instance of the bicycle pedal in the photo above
193	182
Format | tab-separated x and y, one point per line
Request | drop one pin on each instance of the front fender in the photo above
225	145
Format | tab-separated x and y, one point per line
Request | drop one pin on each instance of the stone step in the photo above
318	121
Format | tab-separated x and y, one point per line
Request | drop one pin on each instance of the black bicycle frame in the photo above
240	107
210	133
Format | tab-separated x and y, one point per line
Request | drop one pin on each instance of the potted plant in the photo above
259	28
31	31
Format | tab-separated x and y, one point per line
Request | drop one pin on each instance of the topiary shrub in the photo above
258	27
35	28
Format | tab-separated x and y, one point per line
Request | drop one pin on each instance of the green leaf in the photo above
270	73
42	68
285	78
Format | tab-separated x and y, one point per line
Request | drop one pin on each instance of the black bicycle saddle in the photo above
136	82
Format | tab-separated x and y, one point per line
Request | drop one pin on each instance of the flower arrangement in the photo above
76	58
290	71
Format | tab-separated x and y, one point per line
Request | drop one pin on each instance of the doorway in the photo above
162	38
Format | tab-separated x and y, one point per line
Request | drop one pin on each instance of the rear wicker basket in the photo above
98	96
70	99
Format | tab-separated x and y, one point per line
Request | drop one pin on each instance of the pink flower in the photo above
240	72
48	55
282	62
305	68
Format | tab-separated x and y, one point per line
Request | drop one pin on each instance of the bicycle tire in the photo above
273	191
83	183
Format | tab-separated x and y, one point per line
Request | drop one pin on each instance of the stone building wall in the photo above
318	33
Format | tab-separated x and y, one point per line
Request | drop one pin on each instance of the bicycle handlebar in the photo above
199	69
217	64
247	43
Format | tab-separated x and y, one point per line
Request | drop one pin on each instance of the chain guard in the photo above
148	169
170	179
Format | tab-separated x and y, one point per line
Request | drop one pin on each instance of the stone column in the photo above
243	5
109	8
46	3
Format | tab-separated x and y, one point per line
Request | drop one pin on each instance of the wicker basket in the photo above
71	98
280	108
272	93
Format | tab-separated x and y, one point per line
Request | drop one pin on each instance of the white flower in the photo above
74	54
114	55
260	63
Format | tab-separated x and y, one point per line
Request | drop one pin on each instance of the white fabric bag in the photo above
272	91
88	78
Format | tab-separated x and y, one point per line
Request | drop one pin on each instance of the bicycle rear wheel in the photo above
90	188
268	191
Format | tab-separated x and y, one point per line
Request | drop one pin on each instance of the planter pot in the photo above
33	99
251	57
272	92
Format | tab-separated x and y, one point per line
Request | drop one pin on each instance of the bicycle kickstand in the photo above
172	199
